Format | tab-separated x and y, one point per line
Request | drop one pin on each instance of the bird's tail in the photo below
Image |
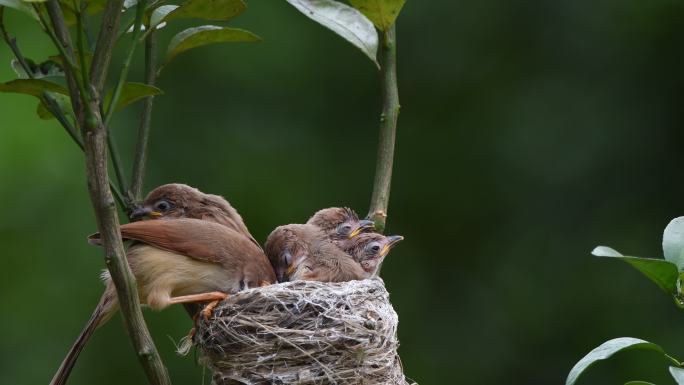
102	313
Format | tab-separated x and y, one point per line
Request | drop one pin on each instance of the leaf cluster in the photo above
667	274
48	75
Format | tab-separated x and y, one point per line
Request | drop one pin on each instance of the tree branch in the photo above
388	129
139	12
105	44
145	119
94	139
63	43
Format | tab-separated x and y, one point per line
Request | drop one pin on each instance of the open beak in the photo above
144	212
364	224
392	240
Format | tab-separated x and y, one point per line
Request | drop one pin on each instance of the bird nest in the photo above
304	332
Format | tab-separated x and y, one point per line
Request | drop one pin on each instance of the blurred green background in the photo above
530	132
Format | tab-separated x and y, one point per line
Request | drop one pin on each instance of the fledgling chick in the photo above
177	200
370	250
288	243
340	223
304	252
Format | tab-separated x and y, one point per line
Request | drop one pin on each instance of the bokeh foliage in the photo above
530	132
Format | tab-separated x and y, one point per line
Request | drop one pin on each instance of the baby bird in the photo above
370	250
304	252
340	223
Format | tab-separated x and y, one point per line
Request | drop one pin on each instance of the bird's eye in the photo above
344	229
374	247
308	267
162	206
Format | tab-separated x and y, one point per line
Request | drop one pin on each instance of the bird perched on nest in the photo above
196	250
333	246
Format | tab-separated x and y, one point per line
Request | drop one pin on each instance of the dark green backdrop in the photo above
530	132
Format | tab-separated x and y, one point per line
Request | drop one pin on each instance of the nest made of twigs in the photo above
304	332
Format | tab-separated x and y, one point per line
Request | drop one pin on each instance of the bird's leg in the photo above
202	297
214	297
206	312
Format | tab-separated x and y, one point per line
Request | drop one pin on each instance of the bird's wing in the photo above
202	240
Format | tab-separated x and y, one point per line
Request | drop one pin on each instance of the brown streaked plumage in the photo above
370	250
304	252
288	244
176	200
178	261
327	263
340	223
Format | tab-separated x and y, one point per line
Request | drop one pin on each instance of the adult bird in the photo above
177	200
180	260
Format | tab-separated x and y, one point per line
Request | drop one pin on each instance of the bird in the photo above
304	252
370	250
340	223
180	260
177	200
288	243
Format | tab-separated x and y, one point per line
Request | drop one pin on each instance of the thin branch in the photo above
62	40
113	152
105	44
80	31
95	138
118	168
145	120
139	13
108	224
388	129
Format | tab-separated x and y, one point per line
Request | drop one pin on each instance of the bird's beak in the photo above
392	240
290	269
363	225
144	212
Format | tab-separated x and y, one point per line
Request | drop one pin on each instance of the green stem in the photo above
102	56
59	33
80	31
139	12
116	164
140	161
388	129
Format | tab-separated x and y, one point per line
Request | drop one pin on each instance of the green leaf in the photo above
19	6
64	103
677	374
382	13
673	242
132	92
34	87
345	21
208	10
204	35
159	14
660	271
607	350
639	383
